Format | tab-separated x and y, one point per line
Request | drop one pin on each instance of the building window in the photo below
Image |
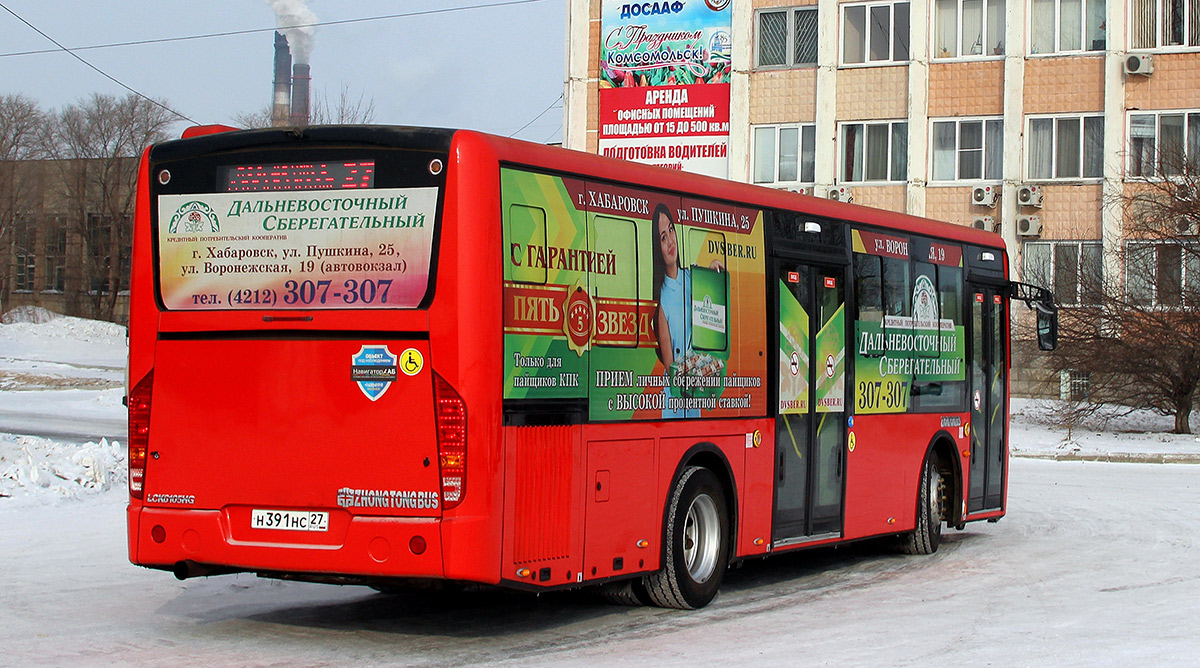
1161	143
1164	23
1072	270
787	38
875	33
1163	274
965	28
874	151
1064	26
25	234
1065	147
100	260
54	256
968	149
785	153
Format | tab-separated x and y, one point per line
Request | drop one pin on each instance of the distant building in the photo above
1019	117
58	251
931	107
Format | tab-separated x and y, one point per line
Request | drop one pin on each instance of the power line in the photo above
106	75
556	101
251	31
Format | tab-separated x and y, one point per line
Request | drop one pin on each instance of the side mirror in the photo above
1047	326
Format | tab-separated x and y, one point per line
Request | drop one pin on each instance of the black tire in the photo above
696	541
928	534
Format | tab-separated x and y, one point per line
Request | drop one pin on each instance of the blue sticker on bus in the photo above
374	369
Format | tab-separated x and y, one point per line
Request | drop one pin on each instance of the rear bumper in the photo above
361	546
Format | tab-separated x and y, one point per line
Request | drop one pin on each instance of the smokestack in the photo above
300	85
281	101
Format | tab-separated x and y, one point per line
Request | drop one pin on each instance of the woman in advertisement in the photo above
672	287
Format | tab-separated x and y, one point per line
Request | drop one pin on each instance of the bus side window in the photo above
868	287
710	290
945	393
525	261
927	315
897	287
950	294
614	275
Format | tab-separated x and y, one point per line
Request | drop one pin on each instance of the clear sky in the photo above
490	68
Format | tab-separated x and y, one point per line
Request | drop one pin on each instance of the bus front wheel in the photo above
928	534
697	543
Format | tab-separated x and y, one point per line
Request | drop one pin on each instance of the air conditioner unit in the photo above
803	190
1029	226
986	223
1185	192
1189	227
985	196
1029	196
1139	63
840	194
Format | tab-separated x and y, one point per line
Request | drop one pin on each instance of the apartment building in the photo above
1024	117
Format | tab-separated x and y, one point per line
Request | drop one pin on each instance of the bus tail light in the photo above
139	434
450	411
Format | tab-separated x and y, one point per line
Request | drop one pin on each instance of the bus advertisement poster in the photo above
645	305
286	250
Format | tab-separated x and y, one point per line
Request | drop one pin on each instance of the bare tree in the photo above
252	120
20	119
346	109
1136	336
96	145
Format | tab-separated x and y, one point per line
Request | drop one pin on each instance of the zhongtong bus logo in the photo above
197	217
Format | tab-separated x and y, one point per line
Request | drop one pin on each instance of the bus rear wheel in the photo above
697	543
928	534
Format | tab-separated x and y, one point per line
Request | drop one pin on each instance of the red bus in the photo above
386	355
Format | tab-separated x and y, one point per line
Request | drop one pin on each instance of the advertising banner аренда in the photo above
664	83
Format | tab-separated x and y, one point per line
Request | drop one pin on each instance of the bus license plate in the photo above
289	520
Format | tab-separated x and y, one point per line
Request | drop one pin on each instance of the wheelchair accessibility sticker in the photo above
411	362
374	369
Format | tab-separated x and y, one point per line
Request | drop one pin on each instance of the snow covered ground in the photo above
1095	565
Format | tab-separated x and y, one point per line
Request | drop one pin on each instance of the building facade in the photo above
64	236
1029	118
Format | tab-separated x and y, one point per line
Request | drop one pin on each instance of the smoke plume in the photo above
288	15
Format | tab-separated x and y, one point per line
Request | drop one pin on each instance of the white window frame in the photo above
1055	167
997	150
1191	141
1191	27
1086	46
790	61
986	51
1031	274
802	129
866	42
1189	272
890	151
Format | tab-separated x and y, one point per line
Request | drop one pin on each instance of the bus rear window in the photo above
288	249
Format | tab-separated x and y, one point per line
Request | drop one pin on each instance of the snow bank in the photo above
40	470
34	323
1113	434
41	349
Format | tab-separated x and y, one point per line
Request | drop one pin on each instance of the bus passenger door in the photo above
989	379
809	430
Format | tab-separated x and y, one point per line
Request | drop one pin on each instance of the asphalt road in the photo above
69	428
